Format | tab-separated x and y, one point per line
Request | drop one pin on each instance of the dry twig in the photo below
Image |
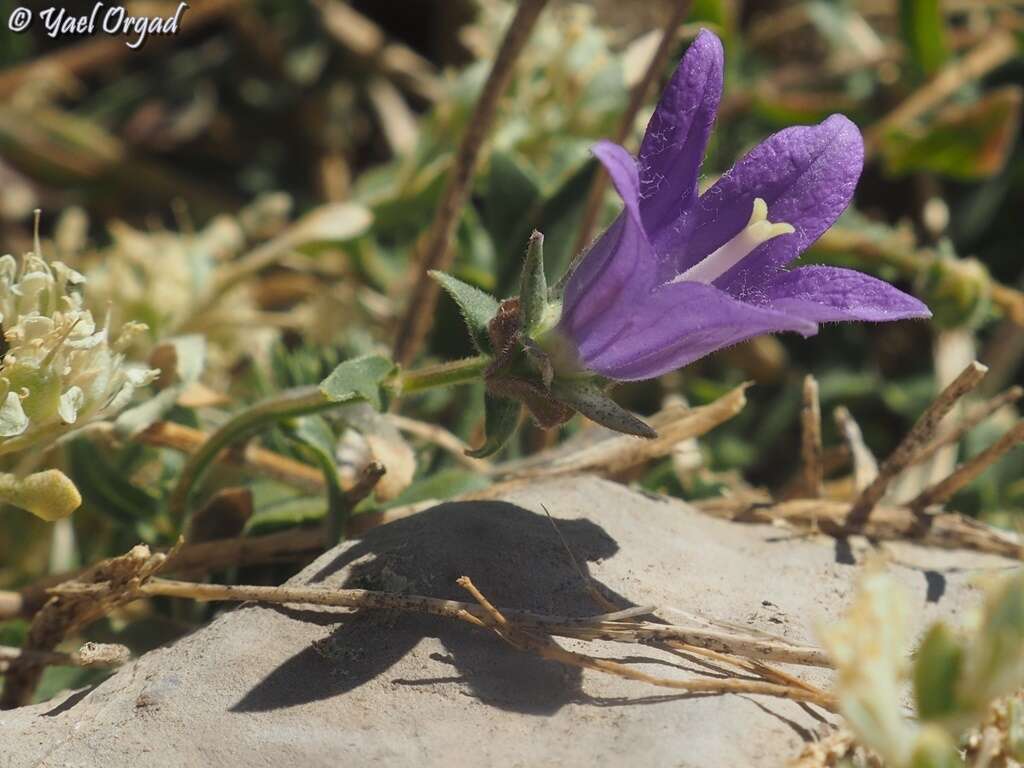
93	595
945	531
89	656
542	645
907	451
943	490
975	417
865	466
680	8
810	444
437	253
601	627
616	455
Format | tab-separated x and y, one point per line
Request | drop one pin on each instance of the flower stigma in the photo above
758	230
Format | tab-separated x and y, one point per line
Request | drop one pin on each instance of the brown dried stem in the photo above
437	253
178	437
542	645
810	444
942	491
616	455
945	531
611	628
93	595
975	417
865	466
919	435
89	656
680	9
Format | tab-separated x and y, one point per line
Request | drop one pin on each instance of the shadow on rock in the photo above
516	559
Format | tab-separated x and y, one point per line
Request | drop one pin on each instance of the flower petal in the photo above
600	294
622	169
828	294
677	135
677	324
805	174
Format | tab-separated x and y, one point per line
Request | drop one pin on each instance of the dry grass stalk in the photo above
810	443
618	454
865	466
601	627
973	418
967	472
89	656
945	531
680	9
178	437
542	645
93	595
919	435
437	253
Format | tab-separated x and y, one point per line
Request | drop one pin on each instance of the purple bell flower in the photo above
679	275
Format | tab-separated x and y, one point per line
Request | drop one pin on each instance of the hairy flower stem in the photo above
442	375
300	402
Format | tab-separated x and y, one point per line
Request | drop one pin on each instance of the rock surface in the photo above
263	686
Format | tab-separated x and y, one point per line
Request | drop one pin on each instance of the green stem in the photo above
301	402
443	375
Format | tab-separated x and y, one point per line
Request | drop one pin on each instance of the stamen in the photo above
758	230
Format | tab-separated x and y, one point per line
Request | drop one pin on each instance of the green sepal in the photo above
592	401
533	291
501	419
362	377
936	672
477	308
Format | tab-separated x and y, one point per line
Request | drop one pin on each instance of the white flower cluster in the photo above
58	370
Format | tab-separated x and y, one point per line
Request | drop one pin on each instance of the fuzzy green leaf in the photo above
361	377
502	418
478	308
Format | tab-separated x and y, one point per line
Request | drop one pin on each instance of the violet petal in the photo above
676	324
617	269
828	294
677	135
806	175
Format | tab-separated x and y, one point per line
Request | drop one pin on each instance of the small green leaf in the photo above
593	402
478	308
360	377
502	418
924	25
533	291
936	672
